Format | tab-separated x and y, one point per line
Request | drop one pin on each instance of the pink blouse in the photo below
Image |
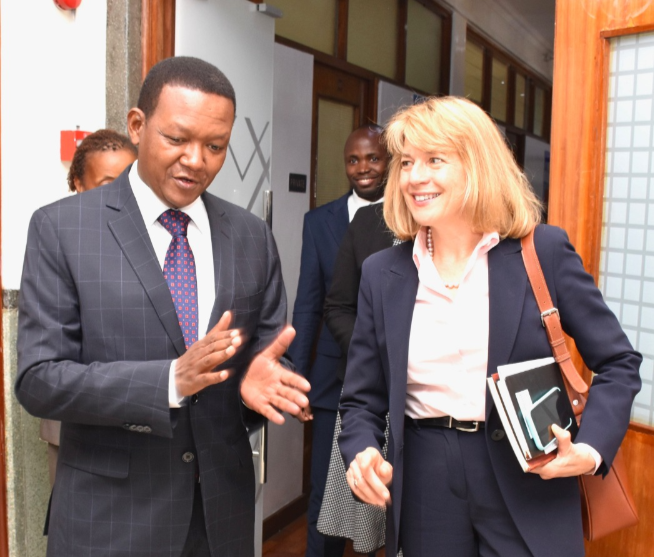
448	347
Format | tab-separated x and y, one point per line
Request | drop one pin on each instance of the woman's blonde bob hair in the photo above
498	197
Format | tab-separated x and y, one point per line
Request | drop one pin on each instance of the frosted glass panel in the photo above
372	35
308	22
499	88
423	48
335	123
539	111
520	101
627	257
474	72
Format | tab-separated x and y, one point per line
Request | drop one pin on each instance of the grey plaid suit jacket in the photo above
97	333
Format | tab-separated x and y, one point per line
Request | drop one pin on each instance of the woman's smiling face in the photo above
433	185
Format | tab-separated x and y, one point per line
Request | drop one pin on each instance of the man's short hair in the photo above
187	72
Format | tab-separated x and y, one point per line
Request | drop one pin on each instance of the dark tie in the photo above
179	272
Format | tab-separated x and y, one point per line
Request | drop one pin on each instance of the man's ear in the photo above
135	124
79	187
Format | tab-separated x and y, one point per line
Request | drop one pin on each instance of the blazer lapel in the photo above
127	226
339	219
222	246
507	283
399	289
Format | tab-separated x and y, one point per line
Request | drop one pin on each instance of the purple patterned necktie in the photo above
179	272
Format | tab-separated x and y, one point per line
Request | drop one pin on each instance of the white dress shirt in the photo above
199	238
354	203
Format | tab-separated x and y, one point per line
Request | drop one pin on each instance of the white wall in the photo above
53	79
291	153
239	41
390	98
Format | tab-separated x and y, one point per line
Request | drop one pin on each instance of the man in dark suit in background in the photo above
119	286
324	227
367	234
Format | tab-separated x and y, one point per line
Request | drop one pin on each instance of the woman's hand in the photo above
369	475
571	459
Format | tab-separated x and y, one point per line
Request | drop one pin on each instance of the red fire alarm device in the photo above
70	139
68	4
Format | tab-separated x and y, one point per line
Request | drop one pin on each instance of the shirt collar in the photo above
151	206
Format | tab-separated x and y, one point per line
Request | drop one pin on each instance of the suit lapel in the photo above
126	224
399	290
507	283
222	245
339	219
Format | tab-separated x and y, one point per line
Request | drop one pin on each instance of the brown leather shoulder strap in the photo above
550	315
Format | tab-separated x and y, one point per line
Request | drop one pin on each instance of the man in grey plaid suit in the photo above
155	458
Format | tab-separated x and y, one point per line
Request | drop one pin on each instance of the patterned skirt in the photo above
341	515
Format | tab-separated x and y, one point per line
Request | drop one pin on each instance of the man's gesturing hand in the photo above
194	369
269	388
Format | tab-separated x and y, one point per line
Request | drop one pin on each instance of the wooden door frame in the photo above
578	152
579	105
157	32
367	111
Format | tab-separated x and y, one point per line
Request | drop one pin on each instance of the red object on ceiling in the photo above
68	4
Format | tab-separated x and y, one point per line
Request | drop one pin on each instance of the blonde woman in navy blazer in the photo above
458	491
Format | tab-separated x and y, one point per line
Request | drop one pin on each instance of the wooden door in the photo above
594	101
341	103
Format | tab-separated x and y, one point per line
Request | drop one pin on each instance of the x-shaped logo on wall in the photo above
265	164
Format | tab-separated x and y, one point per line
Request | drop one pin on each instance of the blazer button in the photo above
188	457
126	426
498	435
194	399
133	427
147	429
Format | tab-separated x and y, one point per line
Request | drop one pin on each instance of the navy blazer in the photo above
322	234
547	513
97	333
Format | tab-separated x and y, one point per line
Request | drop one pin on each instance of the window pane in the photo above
372	35
539	111
520	101
308	22
474	72
499	90
335	122
423	48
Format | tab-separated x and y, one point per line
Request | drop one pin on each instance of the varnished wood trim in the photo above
284	516
641	428
446	52
610	33
341	29
157	32
402	21
4	531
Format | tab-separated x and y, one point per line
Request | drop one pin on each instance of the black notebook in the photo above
534	396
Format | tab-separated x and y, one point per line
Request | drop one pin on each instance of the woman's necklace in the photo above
430	249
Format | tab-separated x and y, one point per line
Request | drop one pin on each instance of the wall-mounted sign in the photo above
297	182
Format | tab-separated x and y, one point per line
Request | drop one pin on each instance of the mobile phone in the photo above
539	416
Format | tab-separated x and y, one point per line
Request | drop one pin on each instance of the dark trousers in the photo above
319	545
197	543
451	503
